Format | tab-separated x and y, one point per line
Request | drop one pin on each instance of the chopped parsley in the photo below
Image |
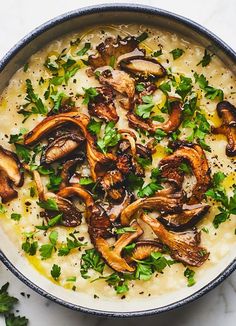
124	230
94	126
206	59
210	92
184	87
144	110
111	137
49	204
157	53
71	243
140	88
6	301
23	153
89	94
218	193
47	249
55	272
153	186
2	209
16	216
84	50
189	274
134	182
52	222
177	53
165	87
142	37
85	181
12	320
91	260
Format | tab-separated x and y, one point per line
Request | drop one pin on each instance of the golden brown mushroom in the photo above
102	105
171	125
193	155
187	218
144	248
227	112
143	68
99	162
10	174
183	246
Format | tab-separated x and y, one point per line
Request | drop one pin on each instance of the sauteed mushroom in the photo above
169	126
194	155
227	112
143	68
10	174
112	48
144	248
183	246
102	106
186	219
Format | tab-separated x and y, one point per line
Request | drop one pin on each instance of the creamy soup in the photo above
61	75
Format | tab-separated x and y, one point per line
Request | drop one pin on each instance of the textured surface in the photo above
18	18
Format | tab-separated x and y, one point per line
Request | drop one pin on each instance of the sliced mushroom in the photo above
71	216
183	246
143	68
194	155
144	248
120	81
99	162
10	174
169	126
112	184
115	210
162	204
61	147
99	227
186	219
227	112
112	48
68	169
102	106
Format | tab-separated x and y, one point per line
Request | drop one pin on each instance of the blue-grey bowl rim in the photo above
87	11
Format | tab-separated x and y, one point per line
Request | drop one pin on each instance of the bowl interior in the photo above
14	60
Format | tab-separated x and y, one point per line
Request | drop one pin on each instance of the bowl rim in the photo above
95	9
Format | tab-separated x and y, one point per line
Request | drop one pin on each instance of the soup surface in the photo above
153	102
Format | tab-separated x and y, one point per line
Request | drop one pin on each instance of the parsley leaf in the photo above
52	222
16	216
23	153
124	230
153	186
189	274
157	53
210	92
2	209
56	271
91	260
144	110
85	181
84	50
140	88
49	204
70	245
12	320
110	138
165	87
206	59
176	53
6	301
47	249
94	126
134	182
89	94
184	87
142	37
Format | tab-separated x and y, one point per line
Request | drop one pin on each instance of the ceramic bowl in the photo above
14	59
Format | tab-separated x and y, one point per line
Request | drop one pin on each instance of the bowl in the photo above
14	59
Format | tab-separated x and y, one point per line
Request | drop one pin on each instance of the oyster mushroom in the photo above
112	183
102	106
112	48
99	162
61	147
162	204
143	68
10	174
121	82
183	246
99	228
71	216
68	169
144	248
172	124
185	219
193	155
227	112
115	210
